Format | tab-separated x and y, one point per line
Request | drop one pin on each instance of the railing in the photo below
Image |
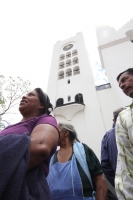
74	53
76	72
69	74
71	103
61	77
61	66
62	58
69	55
102	87
75	61
68	64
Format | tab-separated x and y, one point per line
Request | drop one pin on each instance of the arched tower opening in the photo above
79	98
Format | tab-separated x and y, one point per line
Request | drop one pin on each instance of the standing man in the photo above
124	139
109	156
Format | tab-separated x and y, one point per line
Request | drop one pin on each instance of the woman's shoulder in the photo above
89	152
87	148
46	119
93	161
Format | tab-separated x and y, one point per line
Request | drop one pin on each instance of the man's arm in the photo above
124	170
101	187
112	149
44	138
97	174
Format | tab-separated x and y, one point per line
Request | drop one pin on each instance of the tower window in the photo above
68	54
75	60
76	70
61	75
68	63
61	65
68	72
74	53
79	98
59	102
62	57
69	98
68	81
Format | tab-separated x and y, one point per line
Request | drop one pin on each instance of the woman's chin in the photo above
21	108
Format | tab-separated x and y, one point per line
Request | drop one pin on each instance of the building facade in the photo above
116	54
74	96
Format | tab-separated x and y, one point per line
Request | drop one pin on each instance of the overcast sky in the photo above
30	28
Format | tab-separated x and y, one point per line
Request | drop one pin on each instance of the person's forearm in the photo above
38	153
101	193
101	189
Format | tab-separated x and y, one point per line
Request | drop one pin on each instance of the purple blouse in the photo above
27	127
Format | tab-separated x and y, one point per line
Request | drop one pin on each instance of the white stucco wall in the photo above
108	104
96	118
107	34
116	53
116	59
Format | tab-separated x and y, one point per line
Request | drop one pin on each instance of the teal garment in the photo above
80	155
94	166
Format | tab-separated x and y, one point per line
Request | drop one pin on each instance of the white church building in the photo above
116	54
73	93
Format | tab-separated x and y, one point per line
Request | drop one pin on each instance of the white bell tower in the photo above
73	93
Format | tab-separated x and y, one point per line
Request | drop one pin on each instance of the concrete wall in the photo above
91	123
116	59
116	53
108	104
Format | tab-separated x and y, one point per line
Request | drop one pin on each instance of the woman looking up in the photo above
36	122
75	172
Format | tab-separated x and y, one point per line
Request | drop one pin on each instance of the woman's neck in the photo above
64	153
28	117
66	144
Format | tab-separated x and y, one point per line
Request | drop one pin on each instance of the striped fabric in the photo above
124	139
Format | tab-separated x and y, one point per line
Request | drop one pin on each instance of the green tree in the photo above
11	91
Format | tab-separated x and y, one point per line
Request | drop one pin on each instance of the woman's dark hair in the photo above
129	71
45	101
68	127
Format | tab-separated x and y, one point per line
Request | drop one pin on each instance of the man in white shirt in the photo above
124	139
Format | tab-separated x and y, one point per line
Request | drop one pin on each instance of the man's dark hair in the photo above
116	113
129	71
44	100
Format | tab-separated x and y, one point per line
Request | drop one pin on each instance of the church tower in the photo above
73	93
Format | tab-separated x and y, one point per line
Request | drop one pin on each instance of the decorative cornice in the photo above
125	39
100	48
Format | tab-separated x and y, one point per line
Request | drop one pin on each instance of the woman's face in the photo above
30	103
62	138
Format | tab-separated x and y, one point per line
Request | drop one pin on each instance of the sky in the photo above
30	28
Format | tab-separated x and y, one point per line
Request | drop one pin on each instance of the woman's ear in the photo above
66	133
41	106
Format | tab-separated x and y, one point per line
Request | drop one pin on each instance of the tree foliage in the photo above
11	91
